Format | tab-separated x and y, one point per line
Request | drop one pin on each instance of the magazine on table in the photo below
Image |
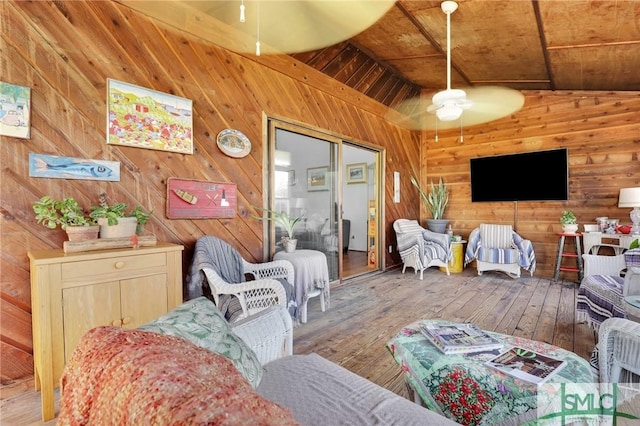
459	338
527	365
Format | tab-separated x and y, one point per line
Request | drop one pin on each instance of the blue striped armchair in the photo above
420	248
500	248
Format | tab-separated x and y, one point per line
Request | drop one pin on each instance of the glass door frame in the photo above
272	123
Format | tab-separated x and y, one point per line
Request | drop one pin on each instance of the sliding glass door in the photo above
332	185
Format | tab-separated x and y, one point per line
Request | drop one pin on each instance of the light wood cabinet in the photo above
74	292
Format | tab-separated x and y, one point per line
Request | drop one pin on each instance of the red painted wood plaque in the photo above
197	199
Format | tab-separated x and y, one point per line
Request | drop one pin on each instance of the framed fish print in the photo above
145	118
53	166
196	199
15	110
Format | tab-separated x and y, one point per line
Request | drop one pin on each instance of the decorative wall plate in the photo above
234	143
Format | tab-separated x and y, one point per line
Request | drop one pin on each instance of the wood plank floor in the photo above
367	311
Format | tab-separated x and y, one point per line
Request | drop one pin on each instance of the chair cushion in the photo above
200	322
498	255
118	376
599	297
496	236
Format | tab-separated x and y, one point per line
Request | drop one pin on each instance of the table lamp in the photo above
630	197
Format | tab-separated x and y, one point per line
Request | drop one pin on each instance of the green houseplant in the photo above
114	220
569	222
436	202
287	222
67	214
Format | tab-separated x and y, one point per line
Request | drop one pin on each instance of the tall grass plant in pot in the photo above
436	201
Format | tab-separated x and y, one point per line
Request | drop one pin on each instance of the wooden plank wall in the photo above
65	51
602	133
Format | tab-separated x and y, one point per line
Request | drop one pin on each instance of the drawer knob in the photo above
119	264
126	320
116	323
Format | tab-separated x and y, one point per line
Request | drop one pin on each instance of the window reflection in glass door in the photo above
333	185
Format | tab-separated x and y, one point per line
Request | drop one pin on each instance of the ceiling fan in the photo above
452	108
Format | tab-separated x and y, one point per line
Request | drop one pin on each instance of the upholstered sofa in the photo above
191	367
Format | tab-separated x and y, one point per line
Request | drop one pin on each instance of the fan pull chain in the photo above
242	17
258	29
436	129
461	136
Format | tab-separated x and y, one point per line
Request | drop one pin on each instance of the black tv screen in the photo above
530	176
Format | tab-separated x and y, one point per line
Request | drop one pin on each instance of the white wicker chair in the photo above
219	269
498	248
269	333
420	248
258	294
618	349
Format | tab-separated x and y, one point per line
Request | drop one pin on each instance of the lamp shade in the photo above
629	197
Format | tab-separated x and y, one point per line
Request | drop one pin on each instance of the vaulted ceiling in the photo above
522	44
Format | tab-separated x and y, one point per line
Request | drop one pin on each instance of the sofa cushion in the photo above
316	390
200	322
119	376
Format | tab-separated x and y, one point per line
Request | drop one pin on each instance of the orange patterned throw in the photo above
118	376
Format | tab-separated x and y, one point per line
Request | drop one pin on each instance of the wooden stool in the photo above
577	255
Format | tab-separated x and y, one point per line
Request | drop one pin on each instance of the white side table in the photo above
311	278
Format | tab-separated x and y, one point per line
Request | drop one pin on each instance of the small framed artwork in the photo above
318	179
145	118
196	199
357	173
15	110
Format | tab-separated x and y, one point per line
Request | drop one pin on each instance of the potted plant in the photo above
67	214
115	222
435	201
569	222
285	221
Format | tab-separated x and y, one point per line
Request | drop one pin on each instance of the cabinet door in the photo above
87	307
143	299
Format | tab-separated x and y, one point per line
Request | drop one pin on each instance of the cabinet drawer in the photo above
114	265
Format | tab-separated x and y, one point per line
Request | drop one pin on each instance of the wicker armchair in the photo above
258	294
618	348
218	269
420	248
500	248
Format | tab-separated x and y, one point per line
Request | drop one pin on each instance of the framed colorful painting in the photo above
15	110
196	199
145	118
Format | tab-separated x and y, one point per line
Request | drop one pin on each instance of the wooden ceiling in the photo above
522	44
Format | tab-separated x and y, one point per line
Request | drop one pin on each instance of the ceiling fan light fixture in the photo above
449	112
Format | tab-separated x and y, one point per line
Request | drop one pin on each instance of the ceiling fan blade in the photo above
295	26
488	103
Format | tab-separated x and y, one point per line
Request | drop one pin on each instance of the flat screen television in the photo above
530	176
